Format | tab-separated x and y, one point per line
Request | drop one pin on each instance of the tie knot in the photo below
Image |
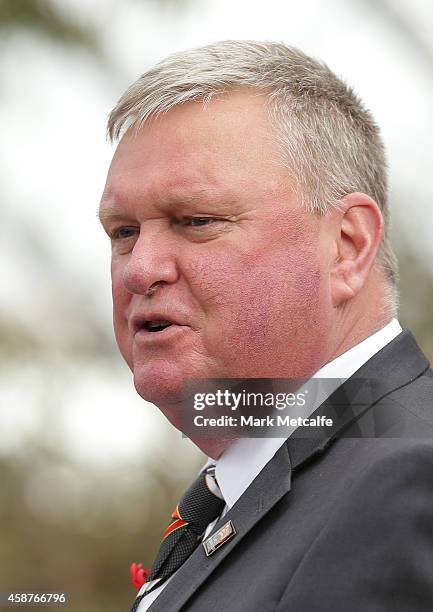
202	503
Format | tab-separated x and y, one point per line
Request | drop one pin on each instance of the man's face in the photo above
199	212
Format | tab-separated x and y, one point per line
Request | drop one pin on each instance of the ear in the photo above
359	234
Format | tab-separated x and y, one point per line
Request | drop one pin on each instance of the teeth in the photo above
157	324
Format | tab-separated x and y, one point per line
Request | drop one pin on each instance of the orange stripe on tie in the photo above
173	526
176	513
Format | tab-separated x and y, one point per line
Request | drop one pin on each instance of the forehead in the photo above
196	149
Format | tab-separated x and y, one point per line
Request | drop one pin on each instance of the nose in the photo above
152	263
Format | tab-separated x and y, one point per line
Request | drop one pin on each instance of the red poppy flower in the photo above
139	574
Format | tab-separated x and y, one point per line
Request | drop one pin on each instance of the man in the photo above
247	209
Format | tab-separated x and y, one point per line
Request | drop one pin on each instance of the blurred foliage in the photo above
416	299
45	18
45	546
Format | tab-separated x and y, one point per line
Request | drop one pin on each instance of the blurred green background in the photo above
88	472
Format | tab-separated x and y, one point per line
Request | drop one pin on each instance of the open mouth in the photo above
156	325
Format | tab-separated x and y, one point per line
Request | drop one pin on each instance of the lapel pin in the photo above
220	537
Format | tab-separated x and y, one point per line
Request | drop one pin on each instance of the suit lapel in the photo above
399	363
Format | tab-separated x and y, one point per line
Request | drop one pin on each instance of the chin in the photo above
159	382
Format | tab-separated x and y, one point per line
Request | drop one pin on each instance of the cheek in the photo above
121	299
268	314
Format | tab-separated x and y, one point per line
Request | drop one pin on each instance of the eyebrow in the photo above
179	198
206	196
109	212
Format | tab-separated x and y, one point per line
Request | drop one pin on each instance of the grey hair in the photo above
329	141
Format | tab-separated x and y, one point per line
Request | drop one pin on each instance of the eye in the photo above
200	221
123	233
196	222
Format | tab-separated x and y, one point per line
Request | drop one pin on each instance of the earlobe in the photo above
359	236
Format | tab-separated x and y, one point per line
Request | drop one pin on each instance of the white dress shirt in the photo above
239	465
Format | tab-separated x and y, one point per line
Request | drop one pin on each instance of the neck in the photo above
368	312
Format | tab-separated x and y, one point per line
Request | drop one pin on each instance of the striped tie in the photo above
199	506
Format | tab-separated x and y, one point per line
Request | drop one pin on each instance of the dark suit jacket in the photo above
340	523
